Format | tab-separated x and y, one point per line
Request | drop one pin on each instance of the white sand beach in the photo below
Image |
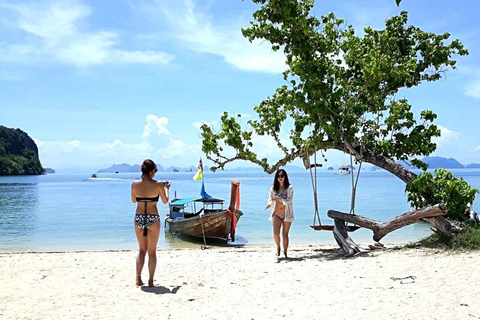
242	283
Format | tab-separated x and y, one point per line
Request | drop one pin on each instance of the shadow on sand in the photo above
160	289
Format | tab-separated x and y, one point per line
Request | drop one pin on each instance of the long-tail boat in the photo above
205	217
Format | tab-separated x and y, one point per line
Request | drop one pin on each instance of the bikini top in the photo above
147	199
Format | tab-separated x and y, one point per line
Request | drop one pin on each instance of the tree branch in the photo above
381	229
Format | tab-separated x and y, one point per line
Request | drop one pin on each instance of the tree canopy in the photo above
340	90
18	153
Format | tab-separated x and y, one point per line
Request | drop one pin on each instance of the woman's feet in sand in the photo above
285	254
278	252
150	283
139	281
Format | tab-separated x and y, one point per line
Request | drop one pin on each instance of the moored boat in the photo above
344	169
205	217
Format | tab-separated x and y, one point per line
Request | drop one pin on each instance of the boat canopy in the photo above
210	200
178	202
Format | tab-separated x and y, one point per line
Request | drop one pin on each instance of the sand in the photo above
242	283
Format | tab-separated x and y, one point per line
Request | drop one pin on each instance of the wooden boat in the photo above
205	217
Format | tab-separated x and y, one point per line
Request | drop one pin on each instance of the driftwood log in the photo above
445	227
432	214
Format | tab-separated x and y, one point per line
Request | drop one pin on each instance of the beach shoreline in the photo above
244	282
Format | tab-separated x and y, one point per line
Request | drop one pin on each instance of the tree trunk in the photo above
348	246
381	229
382	162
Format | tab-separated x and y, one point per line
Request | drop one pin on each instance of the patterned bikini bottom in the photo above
145	221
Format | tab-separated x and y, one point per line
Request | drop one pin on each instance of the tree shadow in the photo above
160	289
334	254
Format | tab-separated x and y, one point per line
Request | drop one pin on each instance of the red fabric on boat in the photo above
232	214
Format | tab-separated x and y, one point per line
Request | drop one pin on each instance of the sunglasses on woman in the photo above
281	176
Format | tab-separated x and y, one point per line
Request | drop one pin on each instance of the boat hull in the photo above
215	225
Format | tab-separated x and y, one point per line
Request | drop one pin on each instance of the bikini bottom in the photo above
145	221
279	216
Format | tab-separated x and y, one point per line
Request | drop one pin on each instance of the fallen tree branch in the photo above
445	227
381	229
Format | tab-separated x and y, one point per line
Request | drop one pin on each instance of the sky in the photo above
97	83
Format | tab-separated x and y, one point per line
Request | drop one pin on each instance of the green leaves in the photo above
340	87
441	187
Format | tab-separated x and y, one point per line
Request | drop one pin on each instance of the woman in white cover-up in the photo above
280	202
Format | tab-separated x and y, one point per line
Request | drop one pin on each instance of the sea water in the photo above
74	212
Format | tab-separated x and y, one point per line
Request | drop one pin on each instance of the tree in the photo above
341	90
340	94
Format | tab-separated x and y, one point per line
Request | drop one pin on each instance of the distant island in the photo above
18	153
447	163
473	166
125	167
49	170
433	163
439	162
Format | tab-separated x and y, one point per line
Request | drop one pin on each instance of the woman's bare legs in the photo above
153	235
285	240
277	223
147	244
142	250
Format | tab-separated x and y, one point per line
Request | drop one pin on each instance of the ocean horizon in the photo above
64	212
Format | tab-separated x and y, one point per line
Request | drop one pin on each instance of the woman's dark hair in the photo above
147	167
276	184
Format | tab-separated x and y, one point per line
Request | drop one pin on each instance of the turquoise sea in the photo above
72	212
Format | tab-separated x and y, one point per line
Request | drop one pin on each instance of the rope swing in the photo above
313	178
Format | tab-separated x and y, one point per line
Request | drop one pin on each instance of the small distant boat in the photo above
94	175
344	169
205	217
117	172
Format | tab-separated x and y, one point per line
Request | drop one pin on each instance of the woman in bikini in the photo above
280	202
146	193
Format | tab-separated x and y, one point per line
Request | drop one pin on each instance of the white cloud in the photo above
174	149
147	57
477	148
155	124
198	31
65	154
62	154
70	146
68	154
53	32
447	136
473	90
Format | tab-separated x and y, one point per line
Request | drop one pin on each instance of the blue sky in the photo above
103	82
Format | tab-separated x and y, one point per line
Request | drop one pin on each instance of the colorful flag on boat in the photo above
199	174
203	193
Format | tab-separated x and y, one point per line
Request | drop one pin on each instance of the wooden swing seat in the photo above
330	228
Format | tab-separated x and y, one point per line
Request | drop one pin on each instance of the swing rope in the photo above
354	185
314	187
313	179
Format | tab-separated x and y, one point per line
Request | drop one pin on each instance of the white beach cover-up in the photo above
287	200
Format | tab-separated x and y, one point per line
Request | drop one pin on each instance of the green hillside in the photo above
18	153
